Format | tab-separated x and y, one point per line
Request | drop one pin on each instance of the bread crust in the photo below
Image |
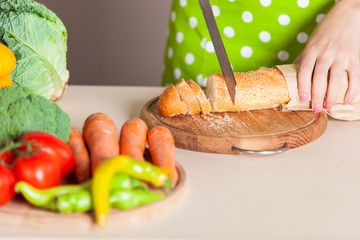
260	89
204	103
170	104
188	96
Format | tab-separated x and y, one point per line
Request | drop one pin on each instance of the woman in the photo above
322	35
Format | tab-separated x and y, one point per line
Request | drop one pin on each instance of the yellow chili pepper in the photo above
145	171
6	81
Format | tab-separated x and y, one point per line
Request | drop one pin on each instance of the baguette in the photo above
260	89
204	103
188	96
170	104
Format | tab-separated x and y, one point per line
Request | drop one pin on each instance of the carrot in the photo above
101	138
133	139
162	149
82	160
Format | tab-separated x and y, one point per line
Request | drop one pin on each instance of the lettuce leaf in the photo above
38	39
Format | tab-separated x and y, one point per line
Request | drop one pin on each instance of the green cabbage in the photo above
21	112
38	39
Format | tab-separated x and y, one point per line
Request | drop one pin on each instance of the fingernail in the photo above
317	108
303	97
348	101
328	106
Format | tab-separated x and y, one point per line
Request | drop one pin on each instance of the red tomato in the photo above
39	169
7	156
54	146
7	184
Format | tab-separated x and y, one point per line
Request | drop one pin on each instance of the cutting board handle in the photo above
284	148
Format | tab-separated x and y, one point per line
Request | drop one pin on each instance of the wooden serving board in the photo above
261	130
19	213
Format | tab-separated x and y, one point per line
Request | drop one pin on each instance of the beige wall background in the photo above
114	42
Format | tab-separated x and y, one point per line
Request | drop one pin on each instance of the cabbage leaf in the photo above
38	39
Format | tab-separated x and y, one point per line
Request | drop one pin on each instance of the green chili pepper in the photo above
126	182
121	164
127	199
73	202
42	197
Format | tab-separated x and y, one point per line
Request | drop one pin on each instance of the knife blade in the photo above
219	48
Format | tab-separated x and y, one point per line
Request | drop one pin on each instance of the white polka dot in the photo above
189	58
231	0
303	3
283	55
177	73
204	82
170	52
265	36
265	3
320	17
193	22
247	16
179	37
209	47
284	19
302	37
199	78
203	43
229	32
173	16
216	10
246	51
183	3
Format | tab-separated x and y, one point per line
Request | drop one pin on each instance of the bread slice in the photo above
188	96
204	103
170	104
260	89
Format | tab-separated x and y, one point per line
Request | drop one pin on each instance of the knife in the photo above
219	48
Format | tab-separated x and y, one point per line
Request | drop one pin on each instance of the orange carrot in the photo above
162	149
82	160
101	138
133	138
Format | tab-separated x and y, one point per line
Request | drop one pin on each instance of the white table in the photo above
312	192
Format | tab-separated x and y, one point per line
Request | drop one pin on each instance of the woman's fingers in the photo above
354	82
304	76
319	83
335	75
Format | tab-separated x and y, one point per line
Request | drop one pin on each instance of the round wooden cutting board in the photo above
19	213
261	130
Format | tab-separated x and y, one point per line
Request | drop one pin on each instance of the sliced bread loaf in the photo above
188	96
204	103
170	104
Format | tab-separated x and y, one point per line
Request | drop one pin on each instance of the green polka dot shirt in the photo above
256	33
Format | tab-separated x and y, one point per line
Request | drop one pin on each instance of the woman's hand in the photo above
333	48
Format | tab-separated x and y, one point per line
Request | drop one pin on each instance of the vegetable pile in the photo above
94	170
56	167
38	39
